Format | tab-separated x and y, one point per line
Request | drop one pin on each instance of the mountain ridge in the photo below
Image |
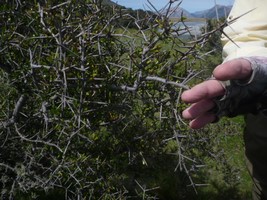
211	13
221	10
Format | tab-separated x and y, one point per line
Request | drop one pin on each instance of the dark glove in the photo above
245	97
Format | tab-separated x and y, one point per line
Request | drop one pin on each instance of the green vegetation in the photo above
90	108
175	19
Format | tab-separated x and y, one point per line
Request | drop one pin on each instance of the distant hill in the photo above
125	20
177	12
109	2
223	11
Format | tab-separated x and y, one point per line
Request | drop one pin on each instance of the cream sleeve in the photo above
249	32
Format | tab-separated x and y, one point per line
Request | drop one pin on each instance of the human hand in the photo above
201	97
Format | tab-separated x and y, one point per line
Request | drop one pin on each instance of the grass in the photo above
227	174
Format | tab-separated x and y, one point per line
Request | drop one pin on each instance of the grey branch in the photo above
162	80
15	113
148	78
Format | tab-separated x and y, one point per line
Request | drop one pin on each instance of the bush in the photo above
91	108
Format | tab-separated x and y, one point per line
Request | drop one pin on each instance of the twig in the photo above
15	113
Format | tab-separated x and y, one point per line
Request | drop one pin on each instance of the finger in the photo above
201	121
206	90
236	69
198	109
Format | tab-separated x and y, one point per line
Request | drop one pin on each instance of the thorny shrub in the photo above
91	108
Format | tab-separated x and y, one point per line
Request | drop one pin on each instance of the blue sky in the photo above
189	5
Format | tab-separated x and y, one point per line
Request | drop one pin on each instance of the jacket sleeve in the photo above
249	32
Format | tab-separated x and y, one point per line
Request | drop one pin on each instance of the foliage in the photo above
90	109
225	173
